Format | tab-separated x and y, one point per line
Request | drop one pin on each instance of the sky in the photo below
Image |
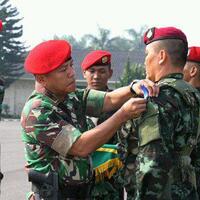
42	19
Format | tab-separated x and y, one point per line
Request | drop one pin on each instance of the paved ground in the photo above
15	183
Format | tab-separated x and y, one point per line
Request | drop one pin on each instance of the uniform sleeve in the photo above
154	160
195	156
44	124
94	103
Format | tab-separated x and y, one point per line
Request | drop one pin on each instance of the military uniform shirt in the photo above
50	127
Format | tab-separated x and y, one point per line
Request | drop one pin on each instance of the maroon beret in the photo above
194	54
1	25
154	34
97	57
47	56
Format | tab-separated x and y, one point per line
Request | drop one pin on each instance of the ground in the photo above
15	183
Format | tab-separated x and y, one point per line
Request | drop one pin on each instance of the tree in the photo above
12	50
136	38
99	42
119	44
131	72
81	44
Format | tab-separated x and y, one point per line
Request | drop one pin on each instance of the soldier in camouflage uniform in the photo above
97	71
168	131
192	75
54	130
192	68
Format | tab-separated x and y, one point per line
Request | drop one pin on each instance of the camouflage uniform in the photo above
45	119
2	91
128	150
109	188
167	134
196	162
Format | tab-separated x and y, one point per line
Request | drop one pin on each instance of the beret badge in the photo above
150	33
104	59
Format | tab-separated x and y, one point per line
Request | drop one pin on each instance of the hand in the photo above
133	108
151	86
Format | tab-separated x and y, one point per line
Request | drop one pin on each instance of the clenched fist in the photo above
133	108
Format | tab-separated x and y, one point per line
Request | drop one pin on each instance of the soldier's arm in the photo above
113	100
47	127
94	138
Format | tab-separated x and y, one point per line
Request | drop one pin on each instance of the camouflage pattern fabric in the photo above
2	91
109	188
167	134
196	162
49	129
128	150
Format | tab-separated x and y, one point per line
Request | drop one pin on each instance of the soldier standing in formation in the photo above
192	67
192	76
97	71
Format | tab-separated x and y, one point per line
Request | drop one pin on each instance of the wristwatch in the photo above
131	87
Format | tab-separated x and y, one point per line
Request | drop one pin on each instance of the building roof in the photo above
119	59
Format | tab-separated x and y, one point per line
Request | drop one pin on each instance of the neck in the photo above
195	83
166	70
41	89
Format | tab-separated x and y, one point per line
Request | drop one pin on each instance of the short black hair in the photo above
177	51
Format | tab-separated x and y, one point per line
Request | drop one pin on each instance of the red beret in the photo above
194	54
98	57
47	56
154	34
1	25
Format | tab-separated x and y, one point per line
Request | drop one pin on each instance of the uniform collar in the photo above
50	95
173	75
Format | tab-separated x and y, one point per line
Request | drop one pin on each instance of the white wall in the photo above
16	95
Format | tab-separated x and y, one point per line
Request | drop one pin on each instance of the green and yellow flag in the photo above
106	162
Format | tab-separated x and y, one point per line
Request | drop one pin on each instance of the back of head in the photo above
171	39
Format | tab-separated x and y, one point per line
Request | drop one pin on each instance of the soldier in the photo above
192	68
58	143
169	130
97	71
192	76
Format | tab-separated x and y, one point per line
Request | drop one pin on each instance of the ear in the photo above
40	78
110	73
162	56
193	71
84	74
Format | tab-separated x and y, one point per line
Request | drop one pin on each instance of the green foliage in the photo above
81	44
100	41
12	50
103	40
136	38
130	73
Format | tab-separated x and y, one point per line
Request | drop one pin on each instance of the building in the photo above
17	93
